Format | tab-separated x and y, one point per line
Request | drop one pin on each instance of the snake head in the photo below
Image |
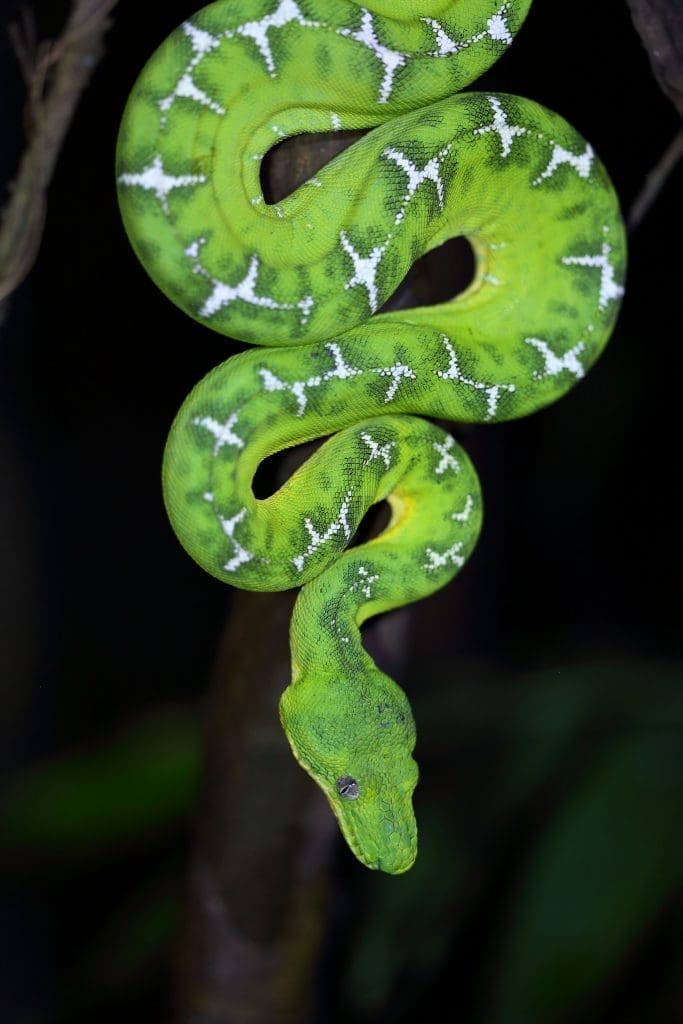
356	739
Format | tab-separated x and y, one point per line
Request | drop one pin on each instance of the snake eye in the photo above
348	788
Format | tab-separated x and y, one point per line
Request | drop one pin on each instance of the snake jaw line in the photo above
304	278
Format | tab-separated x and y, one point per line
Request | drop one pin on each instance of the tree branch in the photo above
660	26
655	181
56	72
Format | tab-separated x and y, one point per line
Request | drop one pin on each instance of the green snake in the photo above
306	276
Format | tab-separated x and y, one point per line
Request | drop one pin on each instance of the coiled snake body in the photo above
306	277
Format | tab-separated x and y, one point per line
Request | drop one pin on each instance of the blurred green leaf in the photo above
609	861
90	803
515	730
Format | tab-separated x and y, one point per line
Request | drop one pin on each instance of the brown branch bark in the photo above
257	884
660	26
56	73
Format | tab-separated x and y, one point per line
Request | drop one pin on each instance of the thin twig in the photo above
23	38
56	74
655	181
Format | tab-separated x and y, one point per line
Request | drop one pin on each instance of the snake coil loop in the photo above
306	278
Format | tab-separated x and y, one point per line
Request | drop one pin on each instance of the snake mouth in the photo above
397	868
392	858
395	862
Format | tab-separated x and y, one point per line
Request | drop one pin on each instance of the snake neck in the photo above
328	614
348	724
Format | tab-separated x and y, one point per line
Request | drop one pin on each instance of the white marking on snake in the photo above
305	305
416	175
364	269
364	582
377	450
464	515
581	163
397	372
223	294
390	59
501	126
492	391
554	364
609	289
447	461
241	556
496	29
223	432
317	539
341	371
286	12
186	88
155	179
336	121
437	560
444	43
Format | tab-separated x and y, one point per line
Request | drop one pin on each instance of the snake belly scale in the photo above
303	279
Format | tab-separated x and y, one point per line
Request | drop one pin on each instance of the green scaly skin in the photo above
306	277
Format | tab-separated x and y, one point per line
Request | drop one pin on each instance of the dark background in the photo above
546	680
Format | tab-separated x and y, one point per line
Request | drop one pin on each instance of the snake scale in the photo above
307	276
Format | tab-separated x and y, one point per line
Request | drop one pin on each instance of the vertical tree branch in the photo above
257	885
